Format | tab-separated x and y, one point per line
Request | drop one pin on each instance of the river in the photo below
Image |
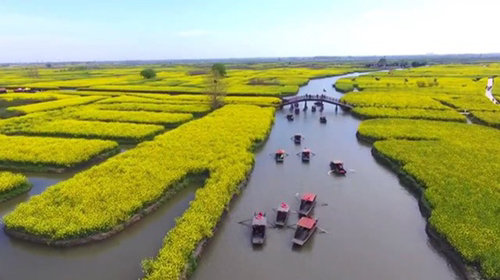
375	230
374	226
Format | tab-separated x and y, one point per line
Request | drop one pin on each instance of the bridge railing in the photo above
315	97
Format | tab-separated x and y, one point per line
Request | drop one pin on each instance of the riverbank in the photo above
98	236
467	270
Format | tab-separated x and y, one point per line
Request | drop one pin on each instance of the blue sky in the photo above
56	30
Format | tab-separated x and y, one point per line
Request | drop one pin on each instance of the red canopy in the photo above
309	196
280	151
284	207
306	222
306	151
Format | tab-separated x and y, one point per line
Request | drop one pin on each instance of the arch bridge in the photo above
318	97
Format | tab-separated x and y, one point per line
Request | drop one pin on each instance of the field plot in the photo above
124	132
174	108
456	87
458	166
45	106
12	185
255	80
488	118
133	117
103	197
39	153
409	113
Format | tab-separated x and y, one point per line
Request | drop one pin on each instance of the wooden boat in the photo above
305	228
297	111
307	203
259	223
337	167
297	138
313	109
318	103
322	119
279	156
324	90
282	214
289	117
305	155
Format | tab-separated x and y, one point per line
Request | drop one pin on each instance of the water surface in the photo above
375	229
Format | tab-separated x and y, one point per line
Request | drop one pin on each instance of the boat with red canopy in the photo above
305	228
279	156
259	223
307	203
282	214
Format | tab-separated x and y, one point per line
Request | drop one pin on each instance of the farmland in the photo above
257	80
438	154
152	136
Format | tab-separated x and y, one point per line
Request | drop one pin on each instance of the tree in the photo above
216	88
148	73
219	69
382	62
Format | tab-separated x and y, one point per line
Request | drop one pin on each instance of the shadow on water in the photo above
116	258
374	226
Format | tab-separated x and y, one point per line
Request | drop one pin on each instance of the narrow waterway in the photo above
375	229
116	258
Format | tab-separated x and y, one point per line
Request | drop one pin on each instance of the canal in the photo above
116	258
374	226
375	230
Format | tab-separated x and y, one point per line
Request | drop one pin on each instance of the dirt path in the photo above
488	93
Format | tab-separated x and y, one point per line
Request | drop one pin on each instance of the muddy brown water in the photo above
375	230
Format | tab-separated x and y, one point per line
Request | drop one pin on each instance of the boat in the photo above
259	223
324	90
282	214
289	117
313	109
322	119
305	228
337	167
321	108
307	203
279	156
297	138
297	111
318	103
305	155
